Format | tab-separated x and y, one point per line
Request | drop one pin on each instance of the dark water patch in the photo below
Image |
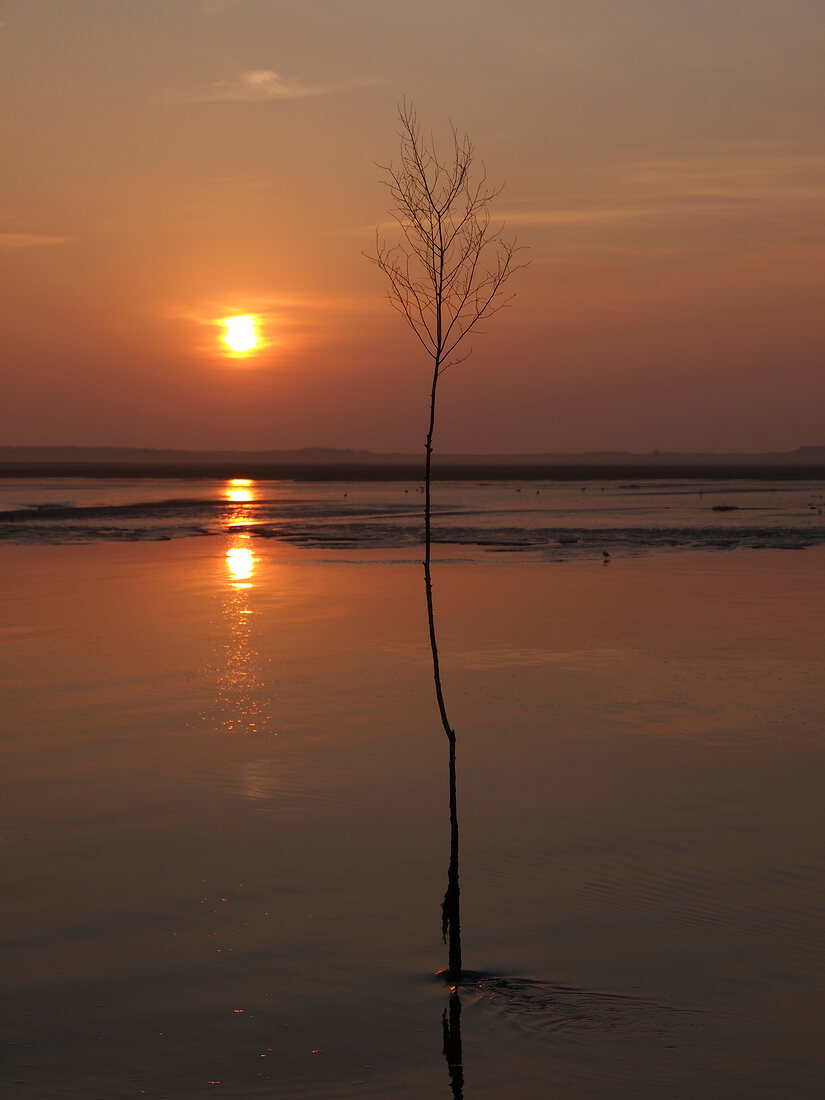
682	886
704	488
65	510
67	534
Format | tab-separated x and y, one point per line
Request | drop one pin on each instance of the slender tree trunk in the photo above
451	920
452	897
446	273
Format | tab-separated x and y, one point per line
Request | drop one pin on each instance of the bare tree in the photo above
447	272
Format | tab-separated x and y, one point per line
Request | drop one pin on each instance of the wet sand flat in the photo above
225	823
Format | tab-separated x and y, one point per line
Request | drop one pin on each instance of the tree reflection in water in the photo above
451	1032
450	907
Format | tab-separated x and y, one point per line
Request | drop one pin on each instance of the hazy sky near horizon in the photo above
170	163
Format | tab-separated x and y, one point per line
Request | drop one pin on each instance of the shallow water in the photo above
225	822
555	521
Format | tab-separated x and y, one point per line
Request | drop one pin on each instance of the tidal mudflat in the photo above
225	821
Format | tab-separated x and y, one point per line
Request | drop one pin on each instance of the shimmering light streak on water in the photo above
242	679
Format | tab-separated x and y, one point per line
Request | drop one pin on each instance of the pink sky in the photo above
174	162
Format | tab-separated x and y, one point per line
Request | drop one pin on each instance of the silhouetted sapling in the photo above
446	273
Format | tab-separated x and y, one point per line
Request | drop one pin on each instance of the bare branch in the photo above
449	267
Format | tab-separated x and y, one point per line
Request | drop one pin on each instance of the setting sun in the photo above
240	333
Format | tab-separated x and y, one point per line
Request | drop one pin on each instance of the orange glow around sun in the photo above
241	335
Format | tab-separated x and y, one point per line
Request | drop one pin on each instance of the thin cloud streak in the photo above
265	86
745	182
214	7
287	309
16	241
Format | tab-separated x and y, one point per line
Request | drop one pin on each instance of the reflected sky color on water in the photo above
640	753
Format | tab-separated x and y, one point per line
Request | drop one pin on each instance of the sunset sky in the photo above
171	163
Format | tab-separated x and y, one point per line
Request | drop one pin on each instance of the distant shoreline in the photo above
335	464
414	471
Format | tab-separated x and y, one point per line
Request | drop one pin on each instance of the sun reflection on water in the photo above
243	684
239	490
240	561
242	492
